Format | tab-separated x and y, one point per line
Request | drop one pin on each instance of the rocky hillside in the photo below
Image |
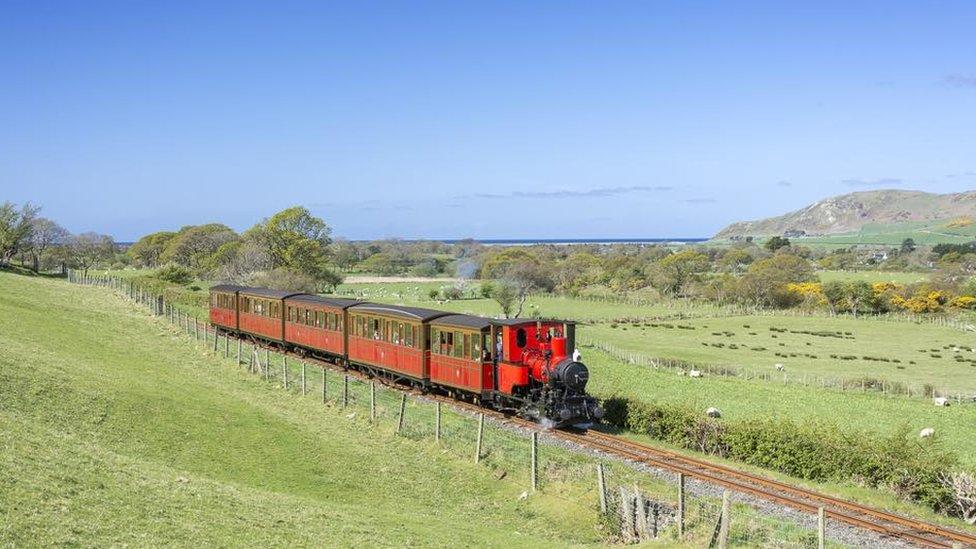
850	212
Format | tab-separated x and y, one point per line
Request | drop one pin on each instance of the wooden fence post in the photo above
324	385
437	424
345	390
284	370
267	364
681	506
601	485
240	343
227	346
723	532
372	400
481	433
535	460
303	379
403	409
215	339
821	528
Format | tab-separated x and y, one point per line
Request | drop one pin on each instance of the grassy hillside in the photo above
116	432
872	217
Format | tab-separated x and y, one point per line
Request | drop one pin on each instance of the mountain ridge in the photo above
850	212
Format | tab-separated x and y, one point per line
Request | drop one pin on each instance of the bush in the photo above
433	293
175	274
818	452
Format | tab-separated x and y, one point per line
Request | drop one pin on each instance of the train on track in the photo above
520	366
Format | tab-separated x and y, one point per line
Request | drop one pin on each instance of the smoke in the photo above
466	269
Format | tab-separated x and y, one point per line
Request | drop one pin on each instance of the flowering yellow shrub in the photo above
964	302
810	293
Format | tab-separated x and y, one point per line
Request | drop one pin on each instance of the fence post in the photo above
284	370
403	409
345	390
226	345
601	484
681	506
723	532
821	528
437	424
267	364
535	460
372	400
303	379
481	433
215	339
324	384
240	343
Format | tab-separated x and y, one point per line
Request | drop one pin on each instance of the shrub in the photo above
175	274
819	452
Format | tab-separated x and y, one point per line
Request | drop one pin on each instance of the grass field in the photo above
114	434
898	277
819	346
118	429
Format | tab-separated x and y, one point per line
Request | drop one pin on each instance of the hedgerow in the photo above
820	452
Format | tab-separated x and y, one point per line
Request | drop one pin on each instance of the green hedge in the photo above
902	463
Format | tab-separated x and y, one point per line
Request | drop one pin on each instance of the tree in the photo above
672	273
498	262
505	293
87	249
294	238
776	243
854	296
908	246
735	260
148	249
193	246
765	283
43	235
15	229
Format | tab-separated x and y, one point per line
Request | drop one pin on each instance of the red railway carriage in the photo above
520	340
460	353
223	305
261	312
391	337
317	323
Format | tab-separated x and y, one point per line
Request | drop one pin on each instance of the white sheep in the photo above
780	367
694	373
713	412
927	432
940	401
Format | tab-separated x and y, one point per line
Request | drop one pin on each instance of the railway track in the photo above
884	523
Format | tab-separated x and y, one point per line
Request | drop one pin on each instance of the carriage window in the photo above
458	345
319	319
408	335
435	336
467	346
475	347
520	337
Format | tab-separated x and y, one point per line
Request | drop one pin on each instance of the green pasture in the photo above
898	277
819	346
121	429
117	431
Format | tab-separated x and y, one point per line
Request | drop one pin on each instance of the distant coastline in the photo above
532	241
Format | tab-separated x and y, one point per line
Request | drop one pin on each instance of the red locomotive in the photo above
514	365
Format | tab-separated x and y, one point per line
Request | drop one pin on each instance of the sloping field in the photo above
113	431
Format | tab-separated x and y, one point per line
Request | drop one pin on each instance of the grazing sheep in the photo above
713	412
940	401
694	373
780	367
926	432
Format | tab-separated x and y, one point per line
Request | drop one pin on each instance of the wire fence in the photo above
630	504
863	384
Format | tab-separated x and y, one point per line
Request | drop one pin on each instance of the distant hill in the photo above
885	211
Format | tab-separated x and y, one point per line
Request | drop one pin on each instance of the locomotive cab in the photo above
535	365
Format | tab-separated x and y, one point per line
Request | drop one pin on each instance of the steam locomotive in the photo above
519	366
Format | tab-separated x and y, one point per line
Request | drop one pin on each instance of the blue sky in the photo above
457	119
